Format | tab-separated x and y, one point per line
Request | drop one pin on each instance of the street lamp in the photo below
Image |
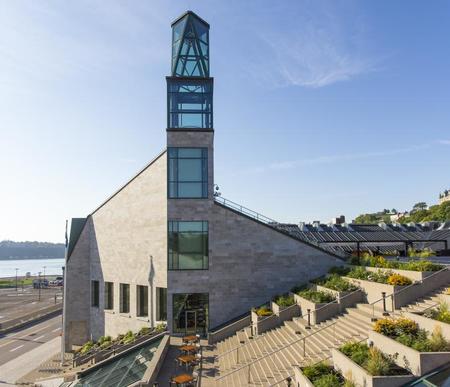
39	286
16	277
44	272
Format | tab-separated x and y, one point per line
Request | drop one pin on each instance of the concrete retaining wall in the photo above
418	363
229	330
428	323
318	312
348	368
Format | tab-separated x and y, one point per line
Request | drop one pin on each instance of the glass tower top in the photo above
190	88
190	46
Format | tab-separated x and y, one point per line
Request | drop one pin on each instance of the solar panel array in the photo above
383	238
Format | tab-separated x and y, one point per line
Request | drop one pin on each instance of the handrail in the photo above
301	316
317	362
276	350
319	330
244	210
415	283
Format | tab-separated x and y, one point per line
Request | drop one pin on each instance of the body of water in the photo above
34	266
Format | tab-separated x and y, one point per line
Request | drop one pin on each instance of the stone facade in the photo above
124	241
249	263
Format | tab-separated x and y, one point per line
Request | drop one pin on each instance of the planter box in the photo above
428	323
418	363
261	324
343	298
285	313
300	380
445	298
317	316
361	377
411	274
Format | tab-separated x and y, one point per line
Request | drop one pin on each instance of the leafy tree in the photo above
420	206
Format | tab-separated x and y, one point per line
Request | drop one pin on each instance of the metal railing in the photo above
271	222
244	210
287	344
312	365
385	297
321	329
307	315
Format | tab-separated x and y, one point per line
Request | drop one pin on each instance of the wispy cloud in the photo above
328	159
444	142
315	46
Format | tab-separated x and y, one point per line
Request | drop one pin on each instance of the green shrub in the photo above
298	288
329	380
372	359
318	297
129	337
87	347
377	363
398	280
407	332
315	371
336	282
161	327
145	330
363	274
263	311
358	352
323	375
442	313
284	300
340	270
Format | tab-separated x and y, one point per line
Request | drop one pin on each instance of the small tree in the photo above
420	206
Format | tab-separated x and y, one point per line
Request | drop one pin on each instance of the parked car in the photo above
40	283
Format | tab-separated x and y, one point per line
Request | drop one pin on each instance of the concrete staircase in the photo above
430	301
269	358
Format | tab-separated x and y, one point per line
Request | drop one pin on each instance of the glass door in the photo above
190	313
191	322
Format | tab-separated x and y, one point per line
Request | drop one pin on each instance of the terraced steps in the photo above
270	357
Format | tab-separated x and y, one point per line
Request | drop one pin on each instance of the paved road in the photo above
17	343
16	304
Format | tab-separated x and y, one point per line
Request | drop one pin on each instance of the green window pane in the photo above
188	245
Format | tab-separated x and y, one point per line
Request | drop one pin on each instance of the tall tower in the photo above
190	197
190	110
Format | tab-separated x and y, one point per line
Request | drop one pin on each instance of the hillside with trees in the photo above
30	250
419	213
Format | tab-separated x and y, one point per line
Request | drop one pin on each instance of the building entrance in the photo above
190	313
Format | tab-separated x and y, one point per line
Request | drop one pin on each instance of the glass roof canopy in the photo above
124	371
190	46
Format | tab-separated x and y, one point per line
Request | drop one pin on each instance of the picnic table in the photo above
182	379
188	348
190	338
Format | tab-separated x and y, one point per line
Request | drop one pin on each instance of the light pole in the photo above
44	272
39	286
16	277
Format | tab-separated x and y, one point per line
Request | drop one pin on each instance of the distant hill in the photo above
420	213
30	250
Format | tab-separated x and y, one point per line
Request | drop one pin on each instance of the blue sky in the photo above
322	108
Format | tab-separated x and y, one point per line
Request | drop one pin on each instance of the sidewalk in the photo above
12	371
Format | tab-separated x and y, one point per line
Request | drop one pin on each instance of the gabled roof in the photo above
77	224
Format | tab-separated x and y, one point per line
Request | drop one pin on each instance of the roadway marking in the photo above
37	338
13	337
57	329
15	349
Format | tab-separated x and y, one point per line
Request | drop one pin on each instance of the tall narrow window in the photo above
161	304
95	293
188	245
188	172
109	295
124	298
142	300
